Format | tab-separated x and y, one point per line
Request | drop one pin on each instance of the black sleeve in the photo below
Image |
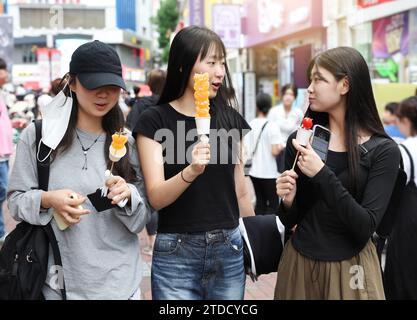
149	122
239	122
130	122
133	116
362	219
289	217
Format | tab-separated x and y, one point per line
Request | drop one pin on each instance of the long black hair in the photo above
189	44
361	111
112	122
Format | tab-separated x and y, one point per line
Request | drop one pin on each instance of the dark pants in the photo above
266	196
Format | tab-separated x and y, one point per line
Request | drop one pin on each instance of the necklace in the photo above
85	150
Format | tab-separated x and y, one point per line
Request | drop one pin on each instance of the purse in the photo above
248	163
25	252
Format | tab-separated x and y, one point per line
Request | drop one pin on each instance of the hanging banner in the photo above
196	12
390	36
44	68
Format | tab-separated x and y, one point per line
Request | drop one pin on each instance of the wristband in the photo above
184	179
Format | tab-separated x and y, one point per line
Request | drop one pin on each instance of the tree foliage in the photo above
166	20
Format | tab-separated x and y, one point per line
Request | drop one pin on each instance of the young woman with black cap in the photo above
198	187
99	249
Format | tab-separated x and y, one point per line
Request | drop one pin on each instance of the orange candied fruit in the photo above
118	141
201	95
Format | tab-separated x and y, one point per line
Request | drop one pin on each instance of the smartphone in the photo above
320	141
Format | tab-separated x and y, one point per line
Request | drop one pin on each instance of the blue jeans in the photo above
198	266
4	171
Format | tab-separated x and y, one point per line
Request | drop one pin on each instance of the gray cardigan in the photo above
100	255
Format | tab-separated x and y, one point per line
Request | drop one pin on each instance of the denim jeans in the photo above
4	171
198	266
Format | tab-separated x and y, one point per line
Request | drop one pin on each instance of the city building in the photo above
46	32
384	31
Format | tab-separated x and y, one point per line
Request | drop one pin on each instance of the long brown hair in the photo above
112	122
361	111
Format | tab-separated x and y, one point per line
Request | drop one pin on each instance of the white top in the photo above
411	144
264	165
287	123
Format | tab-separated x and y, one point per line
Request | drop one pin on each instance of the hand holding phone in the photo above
320	141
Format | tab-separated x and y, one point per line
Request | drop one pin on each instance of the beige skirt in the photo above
301	278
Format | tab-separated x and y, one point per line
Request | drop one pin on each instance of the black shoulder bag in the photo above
25	252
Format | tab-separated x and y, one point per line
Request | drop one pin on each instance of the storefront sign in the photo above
390	36
268	20
134	74
23	73
370	3
387	68
226	23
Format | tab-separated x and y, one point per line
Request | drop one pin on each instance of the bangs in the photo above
216	46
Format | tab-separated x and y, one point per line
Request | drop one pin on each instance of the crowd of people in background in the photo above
191	210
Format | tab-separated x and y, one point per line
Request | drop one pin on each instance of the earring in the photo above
180	69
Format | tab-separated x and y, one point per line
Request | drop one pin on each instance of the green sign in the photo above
387	69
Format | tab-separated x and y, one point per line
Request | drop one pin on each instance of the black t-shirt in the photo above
333	225
210	201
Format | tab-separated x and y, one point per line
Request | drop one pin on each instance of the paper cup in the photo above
203	125
303	136
116	155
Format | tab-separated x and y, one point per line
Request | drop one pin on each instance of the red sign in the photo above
370	3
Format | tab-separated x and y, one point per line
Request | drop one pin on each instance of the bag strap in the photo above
259	138
43	167
57	257
372	143
411	161
43	180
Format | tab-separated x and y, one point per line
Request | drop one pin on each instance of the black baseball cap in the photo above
97	64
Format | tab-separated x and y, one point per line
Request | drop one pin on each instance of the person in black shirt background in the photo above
156	80
336	206
199	193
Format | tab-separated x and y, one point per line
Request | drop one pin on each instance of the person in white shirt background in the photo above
287	117
264	172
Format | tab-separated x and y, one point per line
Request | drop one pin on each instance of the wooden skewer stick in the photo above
295	160
111	168
293	166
